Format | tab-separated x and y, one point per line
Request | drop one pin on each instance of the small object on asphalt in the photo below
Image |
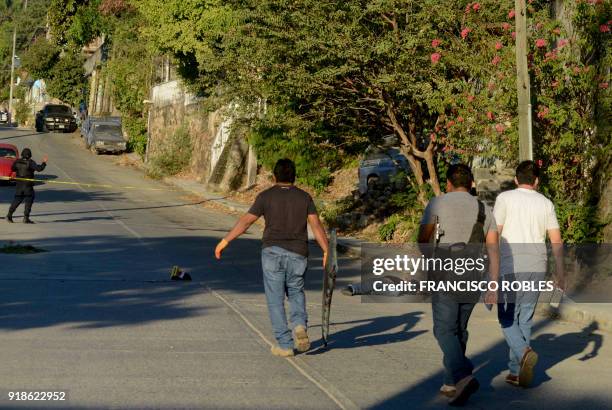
349	290
177	274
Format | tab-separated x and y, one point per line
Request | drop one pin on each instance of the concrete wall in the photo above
220	161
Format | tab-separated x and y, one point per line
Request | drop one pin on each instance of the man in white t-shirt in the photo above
524	217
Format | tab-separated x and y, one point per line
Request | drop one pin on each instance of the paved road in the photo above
96	316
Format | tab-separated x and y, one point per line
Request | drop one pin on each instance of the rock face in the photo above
225	166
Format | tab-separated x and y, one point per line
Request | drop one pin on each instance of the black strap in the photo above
481	213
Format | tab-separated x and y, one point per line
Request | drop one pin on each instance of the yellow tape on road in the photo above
106	186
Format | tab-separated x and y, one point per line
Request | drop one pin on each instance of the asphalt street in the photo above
96	315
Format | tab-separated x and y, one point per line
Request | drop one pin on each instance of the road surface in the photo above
96	316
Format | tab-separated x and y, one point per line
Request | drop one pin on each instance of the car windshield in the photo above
58	109
107	129
7	153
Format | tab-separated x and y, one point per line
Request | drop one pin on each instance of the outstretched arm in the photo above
241	227
41	167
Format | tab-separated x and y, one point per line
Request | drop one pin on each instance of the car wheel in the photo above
372	182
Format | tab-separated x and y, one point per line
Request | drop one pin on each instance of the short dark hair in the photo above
284	171
26	153
460	175
527	172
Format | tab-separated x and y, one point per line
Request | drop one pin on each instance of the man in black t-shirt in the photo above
287	210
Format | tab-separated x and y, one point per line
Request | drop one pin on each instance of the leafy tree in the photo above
67	79
40	58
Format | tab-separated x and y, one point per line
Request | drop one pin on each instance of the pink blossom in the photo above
490	116
499	127
540	163
604	28
496	60
538	26
554	84
450	124
476	6
562	42
460	119
511	14
540	43
543	112
603	86
513	35
468	8
436	42
498	46
470	98
465	32
506	26
551	55
557	31
432	136
435	57
576	70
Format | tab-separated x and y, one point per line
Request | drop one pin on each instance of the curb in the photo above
580	313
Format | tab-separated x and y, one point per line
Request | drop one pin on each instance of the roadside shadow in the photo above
492	362
565	346
372	332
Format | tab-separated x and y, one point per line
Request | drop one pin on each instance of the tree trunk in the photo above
413	154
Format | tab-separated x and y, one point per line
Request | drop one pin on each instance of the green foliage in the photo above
136	130
86	24
174	155
67	79
23	112
40	58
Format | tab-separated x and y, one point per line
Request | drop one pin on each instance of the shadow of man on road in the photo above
373	332
553	349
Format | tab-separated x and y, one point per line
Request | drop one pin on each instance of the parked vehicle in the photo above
55	117
381	167
8	155
4	117
103	134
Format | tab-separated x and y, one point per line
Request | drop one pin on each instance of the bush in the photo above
136	130
23	112
174	155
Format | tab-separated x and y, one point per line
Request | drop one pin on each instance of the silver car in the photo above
103	134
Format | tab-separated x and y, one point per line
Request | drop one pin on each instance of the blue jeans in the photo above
450	320
515	314
283	273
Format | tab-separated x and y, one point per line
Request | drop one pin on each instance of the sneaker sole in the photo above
302	344
526	373
462	397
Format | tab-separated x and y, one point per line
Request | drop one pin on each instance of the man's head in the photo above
26	153
527	173
459	178
284	171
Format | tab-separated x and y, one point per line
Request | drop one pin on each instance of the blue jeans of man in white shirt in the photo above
515	313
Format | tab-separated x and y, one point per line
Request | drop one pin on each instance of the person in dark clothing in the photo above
287	211
24	168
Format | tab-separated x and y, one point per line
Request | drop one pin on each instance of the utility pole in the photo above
522	83
25	6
